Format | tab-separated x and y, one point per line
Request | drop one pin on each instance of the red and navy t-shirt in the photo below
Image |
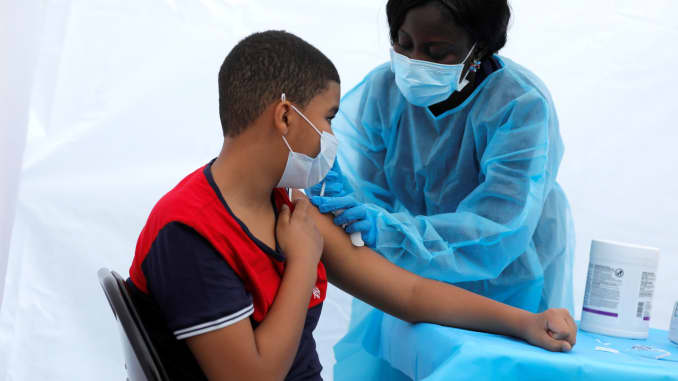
197	268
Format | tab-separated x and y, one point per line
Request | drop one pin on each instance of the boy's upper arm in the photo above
226	354
193	285
203	300
364	273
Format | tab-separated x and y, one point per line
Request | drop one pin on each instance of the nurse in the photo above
449	155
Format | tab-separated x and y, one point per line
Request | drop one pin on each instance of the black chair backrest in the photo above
141	360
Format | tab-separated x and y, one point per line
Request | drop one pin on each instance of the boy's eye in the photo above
330	117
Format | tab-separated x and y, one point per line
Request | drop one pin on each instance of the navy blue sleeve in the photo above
192	283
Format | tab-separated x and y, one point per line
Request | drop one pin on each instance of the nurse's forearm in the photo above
368	276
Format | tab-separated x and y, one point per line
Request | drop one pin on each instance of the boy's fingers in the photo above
564	346
297	194
562	329
558	328
573	326
560	335
284	215
299	203
301	206
549	343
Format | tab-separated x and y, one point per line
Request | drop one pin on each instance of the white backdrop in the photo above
123	103
17	62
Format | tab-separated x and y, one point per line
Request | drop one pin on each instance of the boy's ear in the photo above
280	117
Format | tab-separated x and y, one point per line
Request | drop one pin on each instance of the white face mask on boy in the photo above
303	171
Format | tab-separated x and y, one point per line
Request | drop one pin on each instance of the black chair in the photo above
141	359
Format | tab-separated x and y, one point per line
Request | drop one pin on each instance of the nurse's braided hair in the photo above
486	21
263	66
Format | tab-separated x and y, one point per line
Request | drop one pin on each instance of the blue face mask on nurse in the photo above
424	83
429	69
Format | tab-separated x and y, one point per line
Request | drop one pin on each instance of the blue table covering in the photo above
432	352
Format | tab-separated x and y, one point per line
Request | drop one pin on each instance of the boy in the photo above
227	272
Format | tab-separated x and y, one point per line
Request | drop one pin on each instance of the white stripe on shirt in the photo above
215	324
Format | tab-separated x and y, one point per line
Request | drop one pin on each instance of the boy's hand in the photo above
297	234
553	329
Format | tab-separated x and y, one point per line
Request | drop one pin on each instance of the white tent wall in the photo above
123	103
610	67
19	29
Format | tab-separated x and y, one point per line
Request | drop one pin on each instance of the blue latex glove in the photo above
354	217
334	186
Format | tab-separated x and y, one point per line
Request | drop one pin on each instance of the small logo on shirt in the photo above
316	293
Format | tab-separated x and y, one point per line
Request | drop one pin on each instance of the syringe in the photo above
356	237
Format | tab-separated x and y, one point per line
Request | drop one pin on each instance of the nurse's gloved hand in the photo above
364	220
334	186
351	215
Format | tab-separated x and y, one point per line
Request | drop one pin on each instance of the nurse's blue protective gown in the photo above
468	197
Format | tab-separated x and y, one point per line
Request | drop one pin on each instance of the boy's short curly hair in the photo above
263	66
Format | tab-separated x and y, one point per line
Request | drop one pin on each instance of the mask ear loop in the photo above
463	82
469	53
283	98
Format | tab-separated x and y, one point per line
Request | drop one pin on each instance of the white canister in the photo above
673	332
619	289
